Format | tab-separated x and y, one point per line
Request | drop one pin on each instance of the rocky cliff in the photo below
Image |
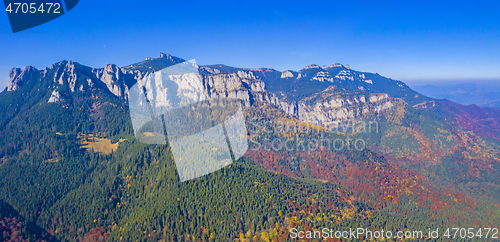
17	77
325	111
328	107
335	109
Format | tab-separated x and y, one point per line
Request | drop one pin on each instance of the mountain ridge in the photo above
119	79
423	165
288	90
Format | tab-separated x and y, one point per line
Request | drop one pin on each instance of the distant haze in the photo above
485	93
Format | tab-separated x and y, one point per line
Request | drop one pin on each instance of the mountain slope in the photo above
421	166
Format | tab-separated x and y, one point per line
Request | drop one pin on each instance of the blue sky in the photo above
405	40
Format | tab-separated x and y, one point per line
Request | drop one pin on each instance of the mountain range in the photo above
482	94
72	170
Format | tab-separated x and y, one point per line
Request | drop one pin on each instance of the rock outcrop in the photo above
18	77
287	74
331	111
241	85
114	78
55	97
248	85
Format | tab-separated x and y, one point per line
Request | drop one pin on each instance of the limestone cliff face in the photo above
341	109
77	77
18	77
55	97
113	77
324	111
65	74
333	110
239	85
243	84
116	79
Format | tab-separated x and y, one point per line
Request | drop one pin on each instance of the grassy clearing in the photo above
101	145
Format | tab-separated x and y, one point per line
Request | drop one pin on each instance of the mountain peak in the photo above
163	56
312	66
166	56
339	65
18	76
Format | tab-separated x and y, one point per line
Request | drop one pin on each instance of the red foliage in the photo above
387	181
97	234
484	122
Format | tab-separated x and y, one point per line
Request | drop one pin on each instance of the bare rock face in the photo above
241	85
287	74
290	108
330	112
65	74
14	82
210	70
336	65
323	76
17	77
55	97
112	76
117	79
246	85
352	76
312	66
166	56
169	91
334	110
327	112
378	97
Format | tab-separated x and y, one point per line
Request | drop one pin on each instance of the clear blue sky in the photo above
404	40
